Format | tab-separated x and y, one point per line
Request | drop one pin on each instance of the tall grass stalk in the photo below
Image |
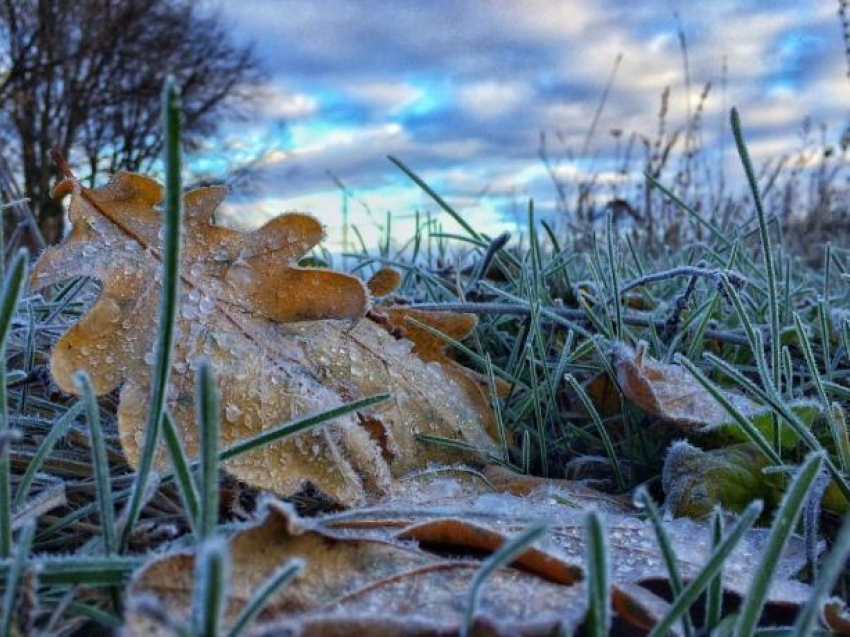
211	583
100	462
209	424
767	252
12	285
169	294
13	578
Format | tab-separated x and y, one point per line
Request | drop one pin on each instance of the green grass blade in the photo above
12	285
210	424
13	578
525	451
825	331
210	593
296	426
666	549
480	360
172	221
598	577
748	428
56	431
714	230
838	438
73	570
506	554
767	251
831	568
439	200
104	619
278	580
780	532
536	400
708	572
29	357
100	463
782	408
497	409
600	428
182	470
714	596
615	279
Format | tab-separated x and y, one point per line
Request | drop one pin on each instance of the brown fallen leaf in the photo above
836	616
357	580
670	392
284	341
640	608
570	492
461	533
633	551
433	349
393	565
413	324
460	488
384	282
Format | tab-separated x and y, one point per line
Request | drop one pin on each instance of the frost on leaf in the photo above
433	349
670	393
695	481
392	570
285	341
384	282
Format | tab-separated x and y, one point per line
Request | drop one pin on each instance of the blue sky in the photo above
461	90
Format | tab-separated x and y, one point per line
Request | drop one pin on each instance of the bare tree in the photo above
84	76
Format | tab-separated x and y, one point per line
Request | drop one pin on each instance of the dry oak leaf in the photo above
385	281
405	570
428	346
381	585
284	341
431	348
670	393
462	488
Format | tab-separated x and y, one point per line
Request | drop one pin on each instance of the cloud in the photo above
461	90
276	103
489	99
387	97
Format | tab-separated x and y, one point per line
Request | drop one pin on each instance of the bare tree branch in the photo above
84	76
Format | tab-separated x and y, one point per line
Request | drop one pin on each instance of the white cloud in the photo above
459	90
551	19
491	99
277	103
387	96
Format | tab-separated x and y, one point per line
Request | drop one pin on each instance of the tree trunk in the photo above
51	219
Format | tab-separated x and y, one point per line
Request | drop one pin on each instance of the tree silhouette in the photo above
84	76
